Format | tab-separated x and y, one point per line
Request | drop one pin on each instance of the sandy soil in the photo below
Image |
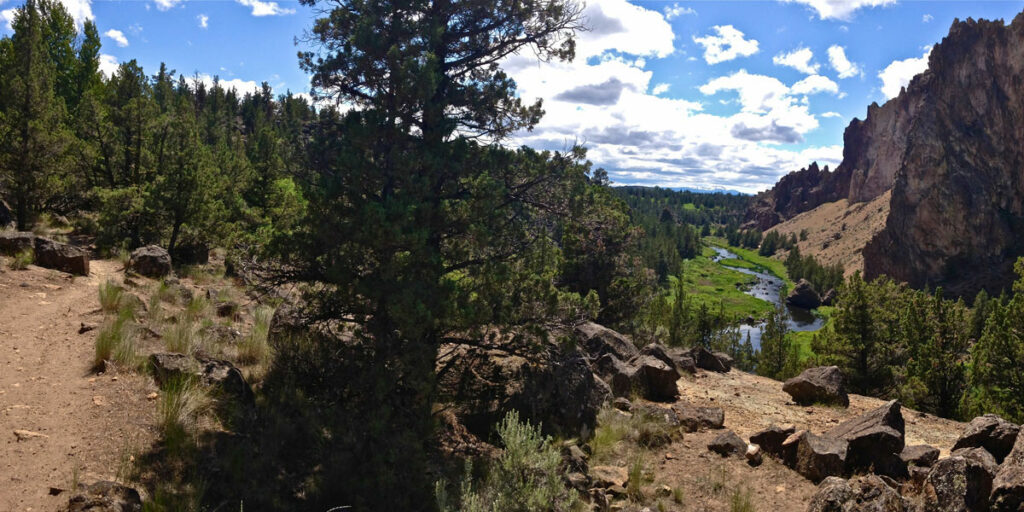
89	424
854	224
752	403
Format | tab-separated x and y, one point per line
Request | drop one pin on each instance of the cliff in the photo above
950	147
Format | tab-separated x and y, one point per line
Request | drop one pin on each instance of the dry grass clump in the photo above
255	348
116	341
22	260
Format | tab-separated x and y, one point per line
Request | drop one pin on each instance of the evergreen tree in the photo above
996	374
774	354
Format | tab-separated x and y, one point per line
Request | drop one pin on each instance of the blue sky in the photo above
710	94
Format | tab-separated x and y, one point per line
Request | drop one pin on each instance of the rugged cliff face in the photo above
957	208
951	149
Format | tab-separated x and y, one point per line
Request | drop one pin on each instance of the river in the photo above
767	287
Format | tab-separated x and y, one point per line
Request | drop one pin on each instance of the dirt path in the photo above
89	424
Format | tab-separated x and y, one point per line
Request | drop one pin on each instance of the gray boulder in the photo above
957	484
875	440
819	457
833	495
823	384
803	295
682	363
728	443
991	433
711	361
599	340
217	373
150	261
867	493
692	419
15	242
63	257
920	455
770	440
617	374
655	378
1008	486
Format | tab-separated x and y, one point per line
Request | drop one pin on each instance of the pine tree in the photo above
996	374
774	353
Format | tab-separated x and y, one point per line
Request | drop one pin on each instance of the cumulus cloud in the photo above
840	9
815	84
799	59
677	10
7	18
108	65
117	36
606	93
204	21
166	5
898	73
660	89
727	45
927	18
260	8
80	10
831	114
240	86
842	65
613	26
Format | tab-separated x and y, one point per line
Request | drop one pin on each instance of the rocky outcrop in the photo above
875	440
1008	485
15	242
867	493
169	367
150	261
60	256
692	419
803	295
822	384
958	484
770	440
711	361
819	457
599	340
990	432
949	148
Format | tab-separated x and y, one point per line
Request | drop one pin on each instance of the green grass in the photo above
738	263
254	348
803	338
181	406
116	342
110	296
771	265
714	285
22	260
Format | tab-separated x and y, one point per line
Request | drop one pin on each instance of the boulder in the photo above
218	373
789	447
655	378
979	455
622	403
753	455
867	493
829	298
1008	489
818	457
803	295
614	372
770	440
707	360
150	261
692	419
662	414
574	459
920	455
105	497
823	384
991	433
599	340
875	440
682	363
15	242
728	443
957	484
833	495
609	476
63	257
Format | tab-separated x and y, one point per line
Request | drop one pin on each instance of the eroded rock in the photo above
875	440
60	256
823	384
991	433
150	261
728	443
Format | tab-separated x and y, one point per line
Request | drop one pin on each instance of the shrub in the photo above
525	477
23	259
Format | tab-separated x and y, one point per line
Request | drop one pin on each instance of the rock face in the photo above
991	433
823	384
875	440
957	484
803	295
818	457
63	257
950	148
656	379
150	261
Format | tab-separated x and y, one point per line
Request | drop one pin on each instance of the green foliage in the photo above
22	260
182	404
996	378
806	267
110	296
116	341
254	348
526	477
777	358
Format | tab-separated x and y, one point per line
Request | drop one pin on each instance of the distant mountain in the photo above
689	189
950	148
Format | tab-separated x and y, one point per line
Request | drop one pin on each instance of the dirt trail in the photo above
89	424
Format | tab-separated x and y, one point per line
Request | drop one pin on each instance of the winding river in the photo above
767	287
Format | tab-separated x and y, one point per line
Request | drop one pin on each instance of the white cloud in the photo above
842	65
840	9
831	114
117	36
677	10
727	45
166	5
260	8
204	21
7	17
660	89
898	73
80	10
621	26
927	18
815	84
799	59
108	64
240	86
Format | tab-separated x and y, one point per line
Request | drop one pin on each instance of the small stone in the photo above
99	401
753	455
663	491
152	396
23	435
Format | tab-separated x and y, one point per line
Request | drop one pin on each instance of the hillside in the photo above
950	160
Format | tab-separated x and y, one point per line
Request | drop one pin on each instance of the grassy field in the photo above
803	338
714	284
751	259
